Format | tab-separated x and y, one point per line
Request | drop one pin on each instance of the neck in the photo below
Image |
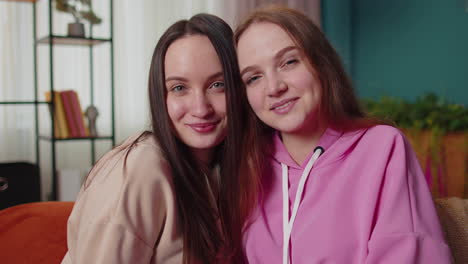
299	144
204	157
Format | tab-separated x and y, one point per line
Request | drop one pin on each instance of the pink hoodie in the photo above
365	201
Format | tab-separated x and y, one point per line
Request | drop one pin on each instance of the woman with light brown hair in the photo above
337	186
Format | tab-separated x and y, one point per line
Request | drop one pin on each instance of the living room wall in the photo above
402	48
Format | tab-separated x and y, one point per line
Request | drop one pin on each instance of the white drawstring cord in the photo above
289	222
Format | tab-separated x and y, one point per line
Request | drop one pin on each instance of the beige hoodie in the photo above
126	214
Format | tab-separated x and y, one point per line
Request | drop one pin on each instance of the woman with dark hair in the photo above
337	186
173	195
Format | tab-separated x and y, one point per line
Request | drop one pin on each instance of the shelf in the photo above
80	138
52	41
65	40
22	102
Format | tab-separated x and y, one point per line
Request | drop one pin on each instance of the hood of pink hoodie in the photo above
328	141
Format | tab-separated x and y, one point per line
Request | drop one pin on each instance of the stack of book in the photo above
68	117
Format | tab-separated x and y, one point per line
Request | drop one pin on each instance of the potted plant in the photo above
81	10
438	132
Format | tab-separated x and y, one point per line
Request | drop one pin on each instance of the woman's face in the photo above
282	86
195	99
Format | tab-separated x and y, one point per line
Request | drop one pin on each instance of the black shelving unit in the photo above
52	40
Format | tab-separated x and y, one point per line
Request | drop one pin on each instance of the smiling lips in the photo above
205	127
284	106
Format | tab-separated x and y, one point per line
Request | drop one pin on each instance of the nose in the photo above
275	86
201	105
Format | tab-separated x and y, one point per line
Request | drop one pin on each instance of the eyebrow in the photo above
278	55
176	78
182	79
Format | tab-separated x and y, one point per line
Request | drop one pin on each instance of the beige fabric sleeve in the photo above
127	213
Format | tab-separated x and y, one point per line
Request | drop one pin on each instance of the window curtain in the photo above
137	27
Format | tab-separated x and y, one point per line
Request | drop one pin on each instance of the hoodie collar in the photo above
282	155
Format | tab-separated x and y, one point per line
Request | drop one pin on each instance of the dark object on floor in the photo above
19	183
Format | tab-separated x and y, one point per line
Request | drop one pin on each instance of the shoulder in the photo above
143	160
384	130
379	136
378	142
142	146
137	153
142	142
131	187
135	167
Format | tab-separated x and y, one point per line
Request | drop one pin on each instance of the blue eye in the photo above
177	88
217	85
252	79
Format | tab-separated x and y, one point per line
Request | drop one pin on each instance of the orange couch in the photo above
34	233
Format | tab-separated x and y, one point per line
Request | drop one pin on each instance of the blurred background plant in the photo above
438	132
80	9
428	112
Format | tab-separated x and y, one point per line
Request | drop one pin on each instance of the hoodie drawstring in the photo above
288	222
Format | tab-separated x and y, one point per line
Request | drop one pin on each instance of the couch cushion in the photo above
453	215
34	232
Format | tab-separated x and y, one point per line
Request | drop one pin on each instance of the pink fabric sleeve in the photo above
406	227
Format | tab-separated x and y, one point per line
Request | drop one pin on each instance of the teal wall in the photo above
336	23
402	48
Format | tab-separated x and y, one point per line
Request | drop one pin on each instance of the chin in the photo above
204	145
287	129
292	125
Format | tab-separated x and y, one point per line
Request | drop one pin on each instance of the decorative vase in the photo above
76	29
92	114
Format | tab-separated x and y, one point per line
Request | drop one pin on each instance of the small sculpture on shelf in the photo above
92	114
80	9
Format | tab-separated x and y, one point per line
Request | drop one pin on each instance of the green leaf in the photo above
426	112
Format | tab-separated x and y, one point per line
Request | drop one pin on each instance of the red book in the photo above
78	114
69	114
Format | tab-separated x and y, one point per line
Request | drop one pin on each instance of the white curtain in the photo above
137	27
16	77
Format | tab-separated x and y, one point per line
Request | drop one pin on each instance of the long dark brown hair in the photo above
338	107
204	242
